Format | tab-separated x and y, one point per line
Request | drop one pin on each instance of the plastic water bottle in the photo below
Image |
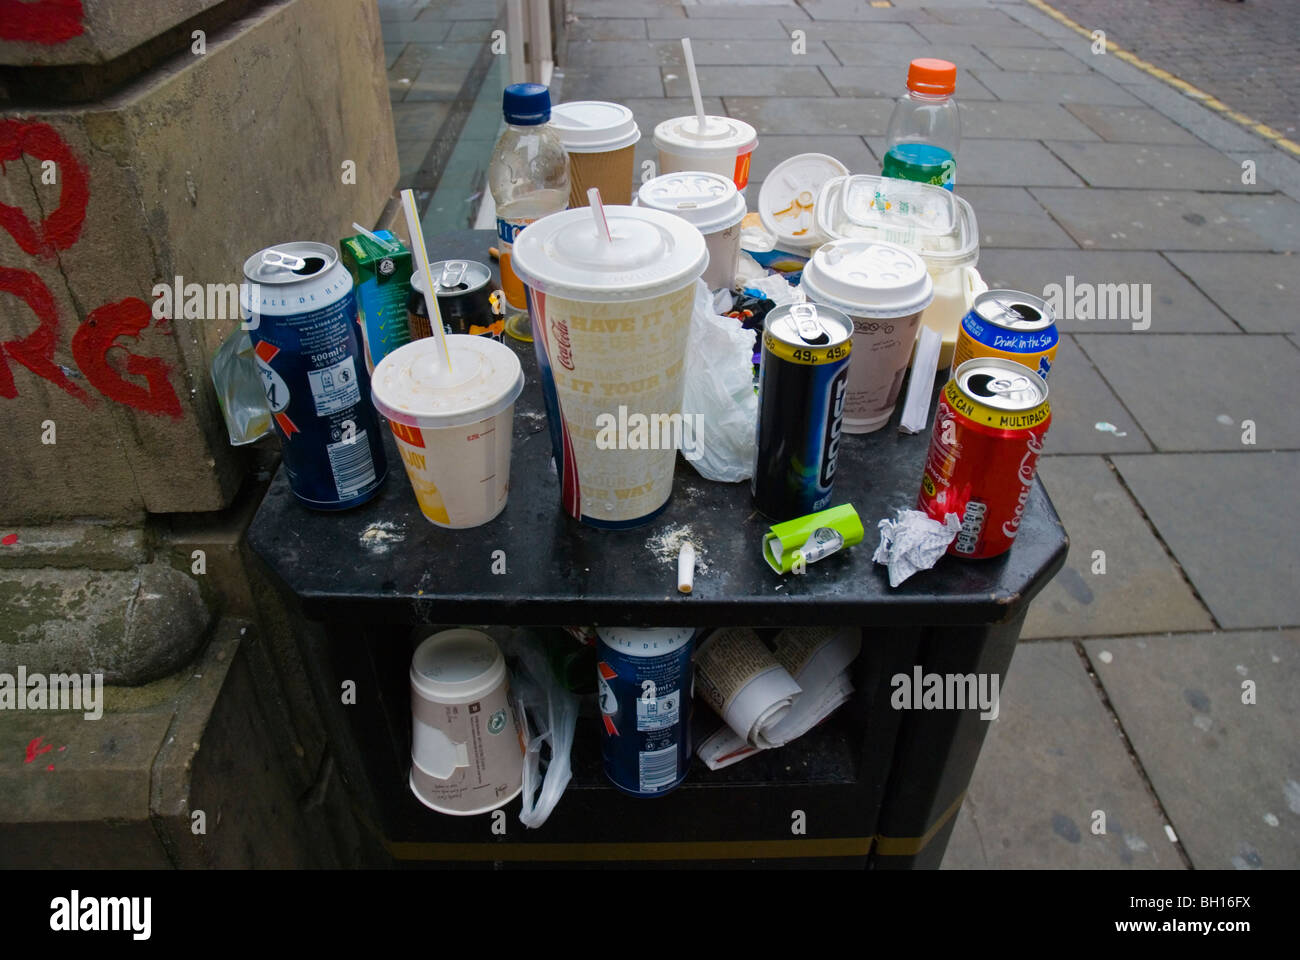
528	175
925	127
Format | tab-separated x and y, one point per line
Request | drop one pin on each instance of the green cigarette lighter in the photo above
809	539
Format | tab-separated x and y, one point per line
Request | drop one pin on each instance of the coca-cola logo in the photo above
565	349
1028	467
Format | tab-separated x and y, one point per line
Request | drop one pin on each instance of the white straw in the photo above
695	84
384	244
598	211
422	264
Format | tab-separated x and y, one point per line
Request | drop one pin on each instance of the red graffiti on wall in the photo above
62	227
104	325
45	21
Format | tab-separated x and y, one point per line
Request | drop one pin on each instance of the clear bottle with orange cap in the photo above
925	128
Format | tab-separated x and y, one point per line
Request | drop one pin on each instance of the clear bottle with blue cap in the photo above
528	175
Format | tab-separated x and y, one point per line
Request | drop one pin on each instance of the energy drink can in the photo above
464	300
802	384
306	344
989	428
1009	324
644	683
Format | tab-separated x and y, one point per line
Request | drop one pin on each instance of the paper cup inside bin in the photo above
466	752
711	203
611	315
453	430
601	142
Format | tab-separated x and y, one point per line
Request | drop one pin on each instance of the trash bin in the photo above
871	786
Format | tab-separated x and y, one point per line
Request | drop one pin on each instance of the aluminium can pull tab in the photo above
277	258
453	273
809	329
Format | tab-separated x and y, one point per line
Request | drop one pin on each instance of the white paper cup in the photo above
724	146
610	323
467	755
883	287
453	431
711	203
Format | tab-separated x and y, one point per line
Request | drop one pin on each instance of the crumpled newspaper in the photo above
913	542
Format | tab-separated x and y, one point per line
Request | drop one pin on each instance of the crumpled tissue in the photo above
913	542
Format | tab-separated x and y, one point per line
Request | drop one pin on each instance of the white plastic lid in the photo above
868	279
408	386
709	201
457	666
651	253
789	194
721	136
935	222
594	126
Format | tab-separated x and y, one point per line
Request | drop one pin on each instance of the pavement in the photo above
1149	718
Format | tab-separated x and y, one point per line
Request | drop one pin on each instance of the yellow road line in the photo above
1264	130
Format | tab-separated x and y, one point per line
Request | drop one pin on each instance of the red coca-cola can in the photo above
989	429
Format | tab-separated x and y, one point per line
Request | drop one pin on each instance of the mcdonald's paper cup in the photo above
611	315
601	142
723	145
453	430
467	756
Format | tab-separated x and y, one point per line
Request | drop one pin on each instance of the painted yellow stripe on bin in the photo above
911	846
1264	130
687	850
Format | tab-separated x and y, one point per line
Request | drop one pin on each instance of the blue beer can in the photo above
644	683
301	315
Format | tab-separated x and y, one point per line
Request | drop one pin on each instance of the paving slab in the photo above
1274	217
856	10
624	9
1054	88
1079	282
1232	521
631	53
768	53
457	9
1034	59
610	83
711	9
1227	772
881	34
1011	217
1130	124
419	121
975	16
1237	377
1081	400
582	30
732	28
435	83
419	31
898	54
1154	166
1004	163
773	149
750	81
1258	290
998	35
1111	219
876	81
1050	761
471	31
392	51
1196	117
1016	121
813	114
1141	590
1271	165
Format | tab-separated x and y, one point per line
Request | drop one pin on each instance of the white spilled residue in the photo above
1135	843
1105	656
1105	427
1203	722
1241	669
1224	419
1291	790
667	544
1271	819
379	538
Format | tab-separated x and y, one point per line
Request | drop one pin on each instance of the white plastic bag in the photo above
719	408
549	715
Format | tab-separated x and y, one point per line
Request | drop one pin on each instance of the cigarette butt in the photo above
494	253
686	568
